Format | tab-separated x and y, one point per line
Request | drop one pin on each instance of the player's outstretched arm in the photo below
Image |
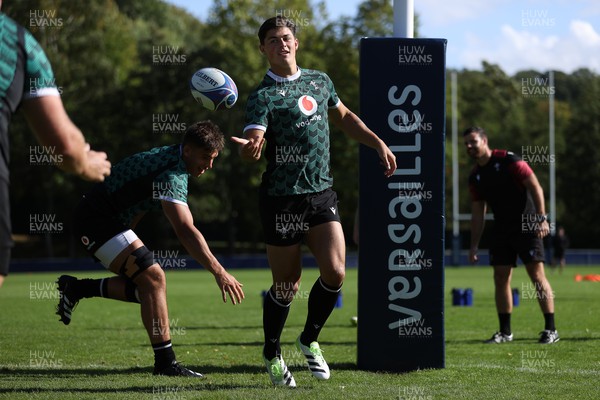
356	129
250	146
181	220
53	127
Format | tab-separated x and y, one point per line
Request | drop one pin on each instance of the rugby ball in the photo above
213	88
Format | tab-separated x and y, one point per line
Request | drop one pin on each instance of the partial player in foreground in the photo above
104	222
509	186
27	82
290	110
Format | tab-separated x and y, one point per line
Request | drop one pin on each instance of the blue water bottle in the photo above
468	301
458	297
515	295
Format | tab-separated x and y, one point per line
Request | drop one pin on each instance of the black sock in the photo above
163	354
549	322
91	288
321	303
275	312
504	323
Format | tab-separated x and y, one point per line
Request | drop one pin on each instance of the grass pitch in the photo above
105	353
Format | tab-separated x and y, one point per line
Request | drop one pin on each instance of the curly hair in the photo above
205	134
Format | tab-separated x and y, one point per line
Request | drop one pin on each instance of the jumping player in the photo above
104	223
509	186
290	110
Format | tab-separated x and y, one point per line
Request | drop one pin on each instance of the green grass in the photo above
104	353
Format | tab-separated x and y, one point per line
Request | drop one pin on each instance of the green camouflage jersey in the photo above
293	114
139	182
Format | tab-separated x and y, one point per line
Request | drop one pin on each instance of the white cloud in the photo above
585	32
515	50
440	13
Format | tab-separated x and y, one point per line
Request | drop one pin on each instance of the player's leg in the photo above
532	254
503	300
326	242
545	298
544	294
286	269
140	280
503	259
113	253
282	222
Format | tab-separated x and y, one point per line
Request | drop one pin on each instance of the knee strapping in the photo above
143	257
139	260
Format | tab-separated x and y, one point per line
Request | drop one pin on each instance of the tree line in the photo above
123	69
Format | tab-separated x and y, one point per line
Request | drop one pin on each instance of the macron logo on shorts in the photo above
332	209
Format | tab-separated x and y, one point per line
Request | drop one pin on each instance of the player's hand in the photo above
387	159
250	149
229	285
473	258
97	167
542	229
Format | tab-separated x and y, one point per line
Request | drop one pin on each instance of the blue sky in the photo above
516	34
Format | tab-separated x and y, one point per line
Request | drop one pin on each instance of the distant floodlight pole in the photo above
552	149
455	208
404	17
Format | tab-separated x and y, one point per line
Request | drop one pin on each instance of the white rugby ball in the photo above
213	88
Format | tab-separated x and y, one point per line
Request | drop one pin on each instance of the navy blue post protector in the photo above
401	221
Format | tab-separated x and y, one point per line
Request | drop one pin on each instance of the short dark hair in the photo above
274	23
205	134
475	129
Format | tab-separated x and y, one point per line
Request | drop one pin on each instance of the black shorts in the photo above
506	246
287	219
94	225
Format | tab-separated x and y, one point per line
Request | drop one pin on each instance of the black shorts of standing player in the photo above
104	237
287	219
506	246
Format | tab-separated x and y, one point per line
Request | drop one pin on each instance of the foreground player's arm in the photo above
537	195
478	209
53	127
355	128
181	220
250	146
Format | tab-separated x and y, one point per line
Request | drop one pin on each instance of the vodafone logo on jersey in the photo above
308	105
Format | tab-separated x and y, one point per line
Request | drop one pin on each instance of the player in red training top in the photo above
509	186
